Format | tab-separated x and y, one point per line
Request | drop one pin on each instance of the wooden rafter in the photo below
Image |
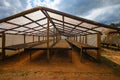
47	15
75	27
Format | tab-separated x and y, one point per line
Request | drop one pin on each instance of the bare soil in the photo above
60	67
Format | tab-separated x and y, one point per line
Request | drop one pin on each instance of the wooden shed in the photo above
40	25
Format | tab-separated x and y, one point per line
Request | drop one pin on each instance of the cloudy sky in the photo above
104	11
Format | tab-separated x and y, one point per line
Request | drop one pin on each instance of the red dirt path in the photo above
60	67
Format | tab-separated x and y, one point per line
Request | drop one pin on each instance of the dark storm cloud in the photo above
82	7
105	11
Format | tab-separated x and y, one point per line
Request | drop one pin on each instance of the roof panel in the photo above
69	25
20	20
21	29
72	21
1	30
87	25
43	30
56	16
32	25
29	30
35	32
91	31
38	28
36	15
14	32
57	22
103	30
42	22
7	26
83	29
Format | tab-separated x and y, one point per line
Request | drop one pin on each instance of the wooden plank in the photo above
48	28
99	45
80	38
86	39
63	23
3	46
33	38
24	38
48	16
38	38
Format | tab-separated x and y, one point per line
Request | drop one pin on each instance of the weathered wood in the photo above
48	28
80	38
86	39
48	16
99	45
33	38
38	38
63	23
3	46
24	38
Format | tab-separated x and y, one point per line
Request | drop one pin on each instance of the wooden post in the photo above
99	45
63	22
38	38
48	52
24	39
33	38
3	46
80	38
74	38
43	37
85	39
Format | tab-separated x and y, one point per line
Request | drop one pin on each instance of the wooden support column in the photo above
43	38
33	38
63	22
48	29
74	38
24	38
85	39
99	45
3	46
80	38
38	38
57	36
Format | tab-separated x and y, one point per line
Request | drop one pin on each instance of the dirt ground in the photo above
113	55
60	67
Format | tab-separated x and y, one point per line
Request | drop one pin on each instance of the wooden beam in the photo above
38	38
48	29
75	27
33	38
85	39
3	46
47	15
63	23
99	46
80	38
24	38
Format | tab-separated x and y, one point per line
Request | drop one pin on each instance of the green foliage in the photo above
115	24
